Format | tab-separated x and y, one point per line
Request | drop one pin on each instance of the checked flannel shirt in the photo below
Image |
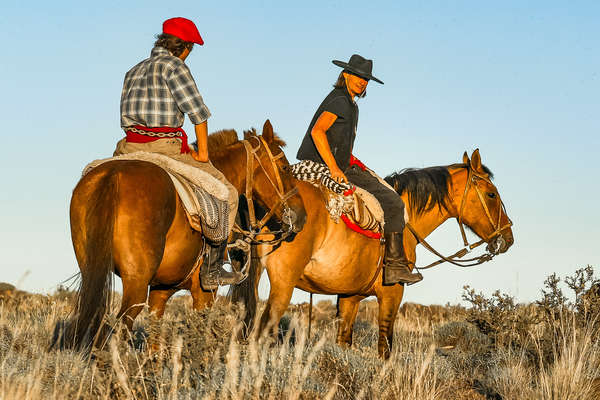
159	91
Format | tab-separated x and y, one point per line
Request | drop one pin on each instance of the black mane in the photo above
426	187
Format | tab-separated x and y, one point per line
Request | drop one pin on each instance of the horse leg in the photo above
201	298
135	293
347	308
389	298
279	300
157	301
284	272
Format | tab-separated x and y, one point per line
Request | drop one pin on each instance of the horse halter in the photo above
497	229
288	217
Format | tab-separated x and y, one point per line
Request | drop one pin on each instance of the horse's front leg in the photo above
347	308
284	273
389	298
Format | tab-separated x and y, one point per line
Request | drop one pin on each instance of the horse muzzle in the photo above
500	243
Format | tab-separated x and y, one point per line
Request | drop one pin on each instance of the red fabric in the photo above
134	137
357	162
356	228
350	191
184	29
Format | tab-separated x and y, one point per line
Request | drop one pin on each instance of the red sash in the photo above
142	135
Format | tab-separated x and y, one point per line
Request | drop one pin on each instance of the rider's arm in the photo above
202	140
318	133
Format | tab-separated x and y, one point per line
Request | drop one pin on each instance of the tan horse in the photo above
127	218
329	258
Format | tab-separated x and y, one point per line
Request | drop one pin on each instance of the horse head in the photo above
481	207
271	181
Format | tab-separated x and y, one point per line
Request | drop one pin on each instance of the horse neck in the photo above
232	163
430	220
427	221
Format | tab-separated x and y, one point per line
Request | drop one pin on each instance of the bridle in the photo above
288	218
456	258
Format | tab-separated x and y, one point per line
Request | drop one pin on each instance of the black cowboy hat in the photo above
358	66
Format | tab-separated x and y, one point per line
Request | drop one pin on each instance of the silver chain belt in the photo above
154	134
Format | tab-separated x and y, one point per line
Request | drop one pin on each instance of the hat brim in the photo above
358	72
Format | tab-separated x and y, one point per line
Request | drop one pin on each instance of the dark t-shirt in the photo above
340	135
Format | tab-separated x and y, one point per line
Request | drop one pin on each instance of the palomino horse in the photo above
329	258
126	218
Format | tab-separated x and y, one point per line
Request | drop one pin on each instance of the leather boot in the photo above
395	265
212	273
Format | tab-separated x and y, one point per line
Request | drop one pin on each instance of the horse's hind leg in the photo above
135	293
347	308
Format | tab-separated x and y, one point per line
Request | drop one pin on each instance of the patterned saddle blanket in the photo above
204	197
359	209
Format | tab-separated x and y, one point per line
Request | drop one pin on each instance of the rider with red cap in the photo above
156	95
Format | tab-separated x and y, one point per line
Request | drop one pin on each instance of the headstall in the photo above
288	217
456	258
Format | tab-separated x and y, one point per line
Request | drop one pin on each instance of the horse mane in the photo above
426	187
218	141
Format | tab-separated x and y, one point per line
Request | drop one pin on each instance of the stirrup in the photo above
393	274
219	277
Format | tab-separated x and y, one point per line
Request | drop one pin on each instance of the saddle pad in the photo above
204	197
354	205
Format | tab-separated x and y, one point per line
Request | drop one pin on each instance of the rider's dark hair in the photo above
340	83
172	43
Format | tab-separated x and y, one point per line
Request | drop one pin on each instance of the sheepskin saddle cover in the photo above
358	205
204	197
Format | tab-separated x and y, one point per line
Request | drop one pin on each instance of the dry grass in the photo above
494	349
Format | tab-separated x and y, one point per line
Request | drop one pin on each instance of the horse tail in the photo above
96	283
246	292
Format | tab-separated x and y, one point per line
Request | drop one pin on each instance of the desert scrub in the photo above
494	349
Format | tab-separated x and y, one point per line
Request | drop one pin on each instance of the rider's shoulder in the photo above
337	102
163	56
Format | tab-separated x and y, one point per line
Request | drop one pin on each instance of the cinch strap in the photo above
144	134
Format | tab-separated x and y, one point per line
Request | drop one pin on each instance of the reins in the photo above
456	258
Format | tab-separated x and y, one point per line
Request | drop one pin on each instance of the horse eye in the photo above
491	195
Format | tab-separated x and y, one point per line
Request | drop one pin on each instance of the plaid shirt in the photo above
159	91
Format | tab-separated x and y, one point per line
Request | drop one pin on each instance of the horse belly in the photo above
340	272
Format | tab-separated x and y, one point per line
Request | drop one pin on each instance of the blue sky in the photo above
518	80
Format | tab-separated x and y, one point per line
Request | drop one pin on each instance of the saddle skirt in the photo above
204	197
359	209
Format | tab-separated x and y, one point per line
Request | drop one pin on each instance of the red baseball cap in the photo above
184	29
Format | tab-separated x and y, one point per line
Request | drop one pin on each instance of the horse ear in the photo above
466	158
476	162
267	132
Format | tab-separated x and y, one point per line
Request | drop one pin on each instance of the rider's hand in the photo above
198	157
338	176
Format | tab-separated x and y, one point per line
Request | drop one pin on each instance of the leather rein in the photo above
456	258
288	217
